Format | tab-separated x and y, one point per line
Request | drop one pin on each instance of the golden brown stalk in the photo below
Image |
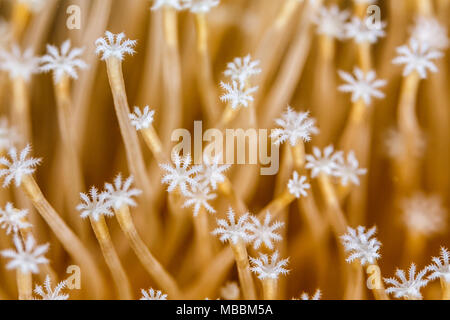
409	128
377	286
291	68
154	143
173	113
72	166
226	188
203	237
150	263
243	267
21	108
205	80
133	150
72	244
287	10
445	289
20	16
334	211
112	259
24	284
270	288
425	7
134	154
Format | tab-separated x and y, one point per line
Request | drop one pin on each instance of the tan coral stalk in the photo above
133	151
204	75
270	287
112	259
445	289
21	107
20	16
243	267
171	117
159	274
24	284
65	235
72	166
336	216
203	237
378	289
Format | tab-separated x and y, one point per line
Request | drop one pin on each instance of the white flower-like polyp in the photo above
17	167
297	185
12	219
237	94
269	270
362	86
49	293
241	69
94	205
417	57
152	294
231	230
141	119
361	245
326	163
264	233
26	258
407	288
440	267
114	46
120	193
63	62
295	126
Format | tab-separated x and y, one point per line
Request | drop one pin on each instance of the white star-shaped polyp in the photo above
407	288
179	175
49	293
212	171
114	45
361	245
232	230
440	267
17	167
363	86
297	186
242	69
295	126
424	214
12	219
363	31
264	233
26	258
198	196
120	193
417	57
326	163
430	32
269	270
331	21
141	119
95	206
349	170
64	62
152	294
237	94
19	64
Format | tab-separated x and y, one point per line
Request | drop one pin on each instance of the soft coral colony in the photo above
181	219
